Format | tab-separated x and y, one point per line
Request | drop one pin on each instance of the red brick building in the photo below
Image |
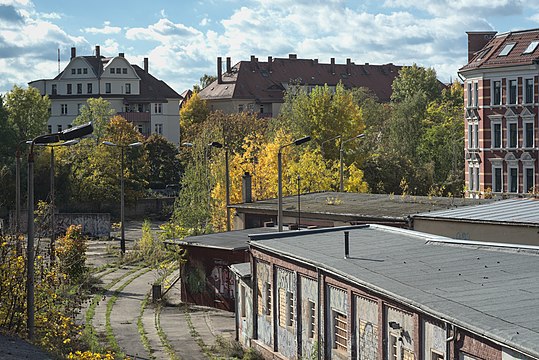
501	98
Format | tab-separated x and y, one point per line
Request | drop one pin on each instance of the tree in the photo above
99	112
165	167
205	80
413	80
28	112
195	111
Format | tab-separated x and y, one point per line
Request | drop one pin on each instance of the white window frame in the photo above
510	123
493	134
128	88
508	98
525	134
469	101
158	108
494	183
79	106
527	187
510	179
63	109
158	128
108	88
471	177
525	88
475	94
492	92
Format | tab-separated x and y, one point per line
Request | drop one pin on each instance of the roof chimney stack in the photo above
333	66
348	66
346	244
146	65
121	55
73	52
292	56
270	59
246	193
97	52
228	65
219	70
477	40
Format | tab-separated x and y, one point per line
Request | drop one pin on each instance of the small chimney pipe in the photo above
219	70
346	244
73	53
333	66
97	52
121	55
145	65
228	64
270	59
348	66
247	188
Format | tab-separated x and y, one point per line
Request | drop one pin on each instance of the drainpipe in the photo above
236	312
449	339
318	315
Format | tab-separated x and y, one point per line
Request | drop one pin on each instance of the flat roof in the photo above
488	289
518	211
355	206
242	269
228	240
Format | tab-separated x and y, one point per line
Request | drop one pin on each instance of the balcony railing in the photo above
135	117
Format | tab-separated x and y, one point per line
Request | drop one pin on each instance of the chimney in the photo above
121	55
292	56
228	65
333	66
348	66
97	52
145	65
73	53
346	244
477	40
246	193
219	70
270	59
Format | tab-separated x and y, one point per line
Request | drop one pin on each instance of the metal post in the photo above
341	170
227	185
299	203
122	220
30	250
53	237
18	200
280	190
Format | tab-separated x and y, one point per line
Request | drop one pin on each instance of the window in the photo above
79	106
513	179
496	136
475	94
393	347
118	70
63	109
531	47
528	134
89	88
529	177
312	319
73	71
243	300
471	176
340	328
69	88
470	136
159	129
476	136
79	71
112	70
85	71
79	88
528	88
476	178
264	298
286	308
107	88
506	49
512	99
128	88
59	127
124	70
49	128
268	299
140	129
54	90
240	108
434	355
158	108
469	94
497	180
512	135
496	92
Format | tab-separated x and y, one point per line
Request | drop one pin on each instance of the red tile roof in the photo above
489	56
266	81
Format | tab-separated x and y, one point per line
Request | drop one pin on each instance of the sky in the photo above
182	39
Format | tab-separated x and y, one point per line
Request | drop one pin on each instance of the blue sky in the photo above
182	39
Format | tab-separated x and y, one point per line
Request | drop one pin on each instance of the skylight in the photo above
482	53
507	49
531	48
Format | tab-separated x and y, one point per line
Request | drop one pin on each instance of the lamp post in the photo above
53	234
280	178
341	153
66	135
122	225
227	181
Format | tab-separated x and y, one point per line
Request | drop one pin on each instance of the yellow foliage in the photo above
355	182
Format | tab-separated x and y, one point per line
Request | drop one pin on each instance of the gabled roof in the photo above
491	290
507	49
266	81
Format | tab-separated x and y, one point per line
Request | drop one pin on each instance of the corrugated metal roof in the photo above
515	211
243	269
488	290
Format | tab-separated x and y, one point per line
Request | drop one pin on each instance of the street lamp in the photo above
52	146
341	152
218	145
122	226
280	178
66	135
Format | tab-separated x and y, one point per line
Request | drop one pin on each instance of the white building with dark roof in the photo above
147	102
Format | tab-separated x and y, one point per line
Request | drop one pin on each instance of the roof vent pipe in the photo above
97	52
349	66
219	70
346	244
333	66
73	53
228	65
146	65
270	59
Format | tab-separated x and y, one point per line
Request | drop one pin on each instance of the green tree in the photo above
99	112
205	80
413	80
195	111
165	167
28	112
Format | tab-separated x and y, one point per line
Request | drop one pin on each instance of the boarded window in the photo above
340	337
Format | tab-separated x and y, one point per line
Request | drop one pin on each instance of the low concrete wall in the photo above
93	224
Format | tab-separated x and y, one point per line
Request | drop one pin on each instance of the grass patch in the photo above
140	327
162	336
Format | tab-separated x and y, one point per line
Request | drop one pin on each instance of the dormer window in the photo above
506	49
531	48
112	70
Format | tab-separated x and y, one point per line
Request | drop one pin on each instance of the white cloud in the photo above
106	29
204	22
452	7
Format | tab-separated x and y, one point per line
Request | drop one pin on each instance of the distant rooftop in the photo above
488	290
